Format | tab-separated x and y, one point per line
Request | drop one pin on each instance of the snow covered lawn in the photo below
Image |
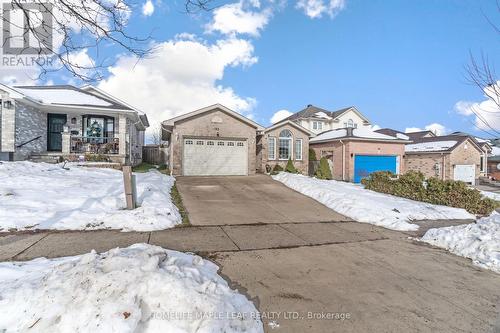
142	288
368	206
478	241
46	196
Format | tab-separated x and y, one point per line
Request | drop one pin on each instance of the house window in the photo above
230	144
481	161
240	144
98	126
199	143
189	142
210	143
298	149
285	145
220	143
318	125
350	123
272	148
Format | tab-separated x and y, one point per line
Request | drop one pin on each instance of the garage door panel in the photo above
364	165
465	173
215	157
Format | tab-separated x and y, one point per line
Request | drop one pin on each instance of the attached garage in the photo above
215	157
213	141
364	165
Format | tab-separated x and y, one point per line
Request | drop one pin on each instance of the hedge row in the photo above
413	185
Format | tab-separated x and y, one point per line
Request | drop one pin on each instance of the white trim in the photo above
301	149
291	123
274	148
221	107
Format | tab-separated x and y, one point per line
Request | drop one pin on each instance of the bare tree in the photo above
156	135
481	73
61	29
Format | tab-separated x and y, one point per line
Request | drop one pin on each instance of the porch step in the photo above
45	158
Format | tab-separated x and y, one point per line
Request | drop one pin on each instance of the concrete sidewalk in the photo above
26	246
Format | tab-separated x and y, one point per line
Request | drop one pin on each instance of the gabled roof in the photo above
172	121
312	111
412	135
291	123
362	133
439	144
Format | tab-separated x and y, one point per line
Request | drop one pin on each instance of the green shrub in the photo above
96	158
290	167
312	155
277	169
413	185
324	171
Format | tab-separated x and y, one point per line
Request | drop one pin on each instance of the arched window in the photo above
350	123
285	134
285	145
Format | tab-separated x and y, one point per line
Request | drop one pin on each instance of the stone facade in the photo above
300	164
333	151
213	123
30	124
441	165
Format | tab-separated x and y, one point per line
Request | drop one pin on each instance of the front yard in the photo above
46	196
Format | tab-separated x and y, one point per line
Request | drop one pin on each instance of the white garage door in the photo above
465	173
215	157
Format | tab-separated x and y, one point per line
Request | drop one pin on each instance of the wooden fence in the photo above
154	154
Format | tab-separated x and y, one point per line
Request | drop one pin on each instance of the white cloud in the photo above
318	8
234	19
280	115
180	77
436	128
486	113
148	8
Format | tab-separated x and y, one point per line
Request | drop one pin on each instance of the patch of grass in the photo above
144	167
177	200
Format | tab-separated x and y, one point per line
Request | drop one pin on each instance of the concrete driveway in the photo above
248	200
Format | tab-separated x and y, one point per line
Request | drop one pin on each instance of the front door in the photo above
55	124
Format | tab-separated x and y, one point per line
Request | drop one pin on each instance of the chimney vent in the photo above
309	105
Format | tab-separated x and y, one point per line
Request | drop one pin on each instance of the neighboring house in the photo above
456	157
486	147
218	141
411	136
357	152
49	122
318	120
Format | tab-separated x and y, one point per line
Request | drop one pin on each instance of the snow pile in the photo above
333	134
364	132
478	241
141	288
321	114
46	196
62	96
430	146
368	206
491	195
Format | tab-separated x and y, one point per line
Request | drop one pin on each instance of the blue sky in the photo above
401	63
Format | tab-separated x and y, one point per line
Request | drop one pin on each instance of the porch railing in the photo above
94	145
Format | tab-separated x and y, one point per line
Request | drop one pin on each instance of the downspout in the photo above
343	160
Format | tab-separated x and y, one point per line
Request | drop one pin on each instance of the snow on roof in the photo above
366	132
430	146
495	151
62	96
333	134
322	115
362	132
402	136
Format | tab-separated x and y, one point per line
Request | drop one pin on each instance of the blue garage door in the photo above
366	164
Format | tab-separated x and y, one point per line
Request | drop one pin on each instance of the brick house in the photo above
51	122
456	157
354	153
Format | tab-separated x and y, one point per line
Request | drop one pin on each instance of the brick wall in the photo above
213	123
302	165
